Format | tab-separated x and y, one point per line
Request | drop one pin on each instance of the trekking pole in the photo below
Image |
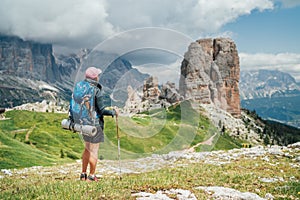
119	149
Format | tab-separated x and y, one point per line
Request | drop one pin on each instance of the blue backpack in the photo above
82	105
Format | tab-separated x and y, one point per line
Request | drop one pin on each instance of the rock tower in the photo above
210	73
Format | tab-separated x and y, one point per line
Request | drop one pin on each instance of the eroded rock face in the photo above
170	93
210	73
151	96
134	101
150	90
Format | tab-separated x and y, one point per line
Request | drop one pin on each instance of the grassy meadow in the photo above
243	175
37	139
32	138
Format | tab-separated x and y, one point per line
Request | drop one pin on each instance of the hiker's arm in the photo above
101	107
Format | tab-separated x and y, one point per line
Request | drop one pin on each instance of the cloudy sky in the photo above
265	31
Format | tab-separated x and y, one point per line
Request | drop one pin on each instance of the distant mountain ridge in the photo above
31	72
273	94
267	83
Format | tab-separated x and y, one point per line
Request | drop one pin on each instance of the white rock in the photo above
271	180
163	195
266	158
275	150
6	172
269	196
183	194
229	193
149	196
295	145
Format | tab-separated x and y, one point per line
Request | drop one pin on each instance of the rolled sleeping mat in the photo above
84	129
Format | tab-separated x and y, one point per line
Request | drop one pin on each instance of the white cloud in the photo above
289	3
65	22
77	23
286	62
164	73
194	17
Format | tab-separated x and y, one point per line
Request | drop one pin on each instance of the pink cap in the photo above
92	72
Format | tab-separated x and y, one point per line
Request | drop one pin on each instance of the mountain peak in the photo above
266	83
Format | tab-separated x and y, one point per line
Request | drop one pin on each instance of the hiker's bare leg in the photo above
85	157
93	157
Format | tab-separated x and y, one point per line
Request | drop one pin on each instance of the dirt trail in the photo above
29	132
207	142
19	130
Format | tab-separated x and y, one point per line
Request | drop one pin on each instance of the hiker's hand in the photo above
116	109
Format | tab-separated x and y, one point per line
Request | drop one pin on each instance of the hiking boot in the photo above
92	178
83	176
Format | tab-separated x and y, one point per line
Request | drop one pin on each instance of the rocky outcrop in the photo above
170	93
144	99
133	102
210	73
150	90
152	96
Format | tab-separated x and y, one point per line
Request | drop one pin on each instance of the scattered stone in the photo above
272	180
222	193
164	195
149	196
269	196
266	158
170	160
182	194
276	150
295	145
6	172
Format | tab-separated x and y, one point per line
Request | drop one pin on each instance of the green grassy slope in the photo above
31	138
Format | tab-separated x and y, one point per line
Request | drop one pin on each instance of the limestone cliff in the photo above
27	59
28	72
210	73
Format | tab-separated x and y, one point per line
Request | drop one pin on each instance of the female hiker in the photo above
82	111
